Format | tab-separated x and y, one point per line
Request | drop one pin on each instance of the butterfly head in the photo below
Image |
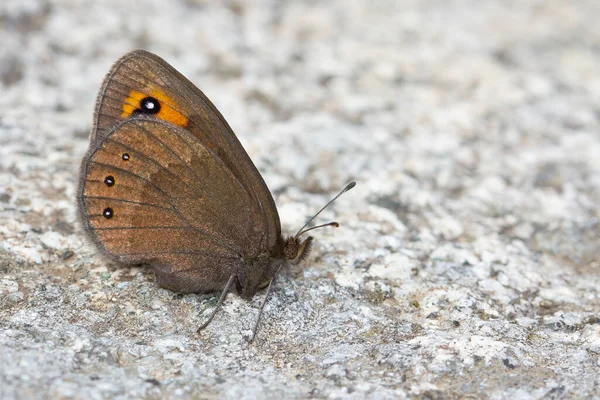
295	250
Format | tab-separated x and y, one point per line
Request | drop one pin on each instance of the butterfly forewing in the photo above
139	76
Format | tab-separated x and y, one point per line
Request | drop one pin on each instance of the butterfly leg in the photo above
232	278
262	306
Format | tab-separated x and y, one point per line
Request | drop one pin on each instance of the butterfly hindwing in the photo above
152	193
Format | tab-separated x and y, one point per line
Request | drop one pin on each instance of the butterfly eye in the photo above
107	213
149	105
290	249
296	251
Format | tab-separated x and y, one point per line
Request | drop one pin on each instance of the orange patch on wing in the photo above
166	112
132	103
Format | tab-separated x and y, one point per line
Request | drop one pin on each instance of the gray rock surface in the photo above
466	263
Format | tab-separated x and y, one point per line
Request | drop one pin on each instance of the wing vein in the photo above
174	209
126	201
221	163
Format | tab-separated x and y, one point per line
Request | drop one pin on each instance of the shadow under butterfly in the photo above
166	183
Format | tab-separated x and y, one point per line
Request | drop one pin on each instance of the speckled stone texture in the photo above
466	263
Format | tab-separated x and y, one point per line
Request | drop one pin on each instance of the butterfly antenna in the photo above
334	224
301	231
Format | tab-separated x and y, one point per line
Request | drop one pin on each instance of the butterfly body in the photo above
166	183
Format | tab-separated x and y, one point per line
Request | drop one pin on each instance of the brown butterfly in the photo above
166	183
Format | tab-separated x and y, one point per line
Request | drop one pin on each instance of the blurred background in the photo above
468	250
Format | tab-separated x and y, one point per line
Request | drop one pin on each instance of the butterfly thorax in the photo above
257	273
263	268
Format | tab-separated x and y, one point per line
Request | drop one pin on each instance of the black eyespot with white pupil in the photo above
149	105
109	181
107	213
125	157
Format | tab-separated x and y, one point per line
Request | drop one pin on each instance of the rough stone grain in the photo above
466	264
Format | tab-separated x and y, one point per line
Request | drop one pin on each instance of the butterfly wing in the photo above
140	75
152	193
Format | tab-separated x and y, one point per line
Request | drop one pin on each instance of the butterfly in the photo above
166	183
